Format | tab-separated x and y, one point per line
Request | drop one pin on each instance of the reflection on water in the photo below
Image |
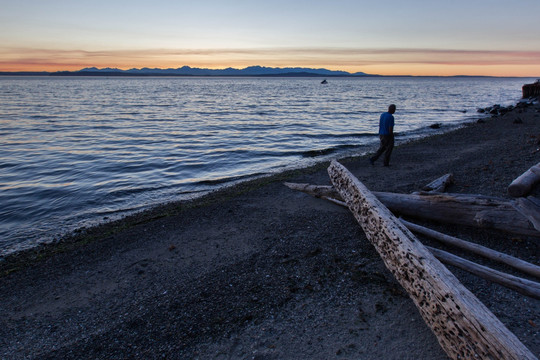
74	150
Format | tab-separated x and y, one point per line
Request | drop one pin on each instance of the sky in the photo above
386	37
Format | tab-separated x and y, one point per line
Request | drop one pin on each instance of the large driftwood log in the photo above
477	249
525	182
464	327
471	210
488	253
523	286
462	209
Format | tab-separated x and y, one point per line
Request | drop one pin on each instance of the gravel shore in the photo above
259	271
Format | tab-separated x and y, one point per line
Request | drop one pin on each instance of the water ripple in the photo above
76	150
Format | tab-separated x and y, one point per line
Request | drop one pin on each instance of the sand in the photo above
259	271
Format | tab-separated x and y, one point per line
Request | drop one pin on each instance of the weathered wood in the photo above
523	286
470	210
477	249
488	253
530	208
440	184
464	327
462	209
335	201
525	183
315	190
515	284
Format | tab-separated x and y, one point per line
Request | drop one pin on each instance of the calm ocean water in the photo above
77	151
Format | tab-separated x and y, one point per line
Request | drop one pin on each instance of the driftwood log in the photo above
462	209
440	184
525	182
471	210
530	208
320	191
522	286
464	327
477	249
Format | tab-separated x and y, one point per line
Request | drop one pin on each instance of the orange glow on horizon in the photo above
413	70
416	62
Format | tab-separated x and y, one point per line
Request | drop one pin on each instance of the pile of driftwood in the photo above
464	327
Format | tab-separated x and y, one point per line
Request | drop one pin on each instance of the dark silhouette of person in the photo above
386	135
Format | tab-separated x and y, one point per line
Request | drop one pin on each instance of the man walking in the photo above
386	134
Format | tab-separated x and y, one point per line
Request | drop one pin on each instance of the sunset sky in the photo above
387	37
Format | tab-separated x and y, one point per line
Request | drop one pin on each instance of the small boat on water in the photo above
324	82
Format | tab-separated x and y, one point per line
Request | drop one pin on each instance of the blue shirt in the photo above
385	123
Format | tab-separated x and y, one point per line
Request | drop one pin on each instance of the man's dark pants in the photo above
387	145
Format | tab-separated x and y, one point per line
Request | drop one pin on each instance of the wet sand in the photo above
259	271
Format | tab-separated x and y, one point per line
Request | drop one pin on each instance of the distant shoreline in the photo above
249	72
286	75
121	74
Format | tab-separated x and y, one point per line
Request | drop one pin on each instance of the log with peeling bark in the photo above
477	249
525	182
523	286
462	209
464	327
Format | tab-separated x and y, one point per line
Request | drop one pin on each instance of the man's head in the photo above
392	109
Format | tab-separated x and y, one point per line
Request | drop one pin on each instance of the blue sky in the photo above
475	37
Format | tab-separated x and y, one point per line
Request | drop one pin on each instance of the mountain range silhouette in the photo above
189	71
